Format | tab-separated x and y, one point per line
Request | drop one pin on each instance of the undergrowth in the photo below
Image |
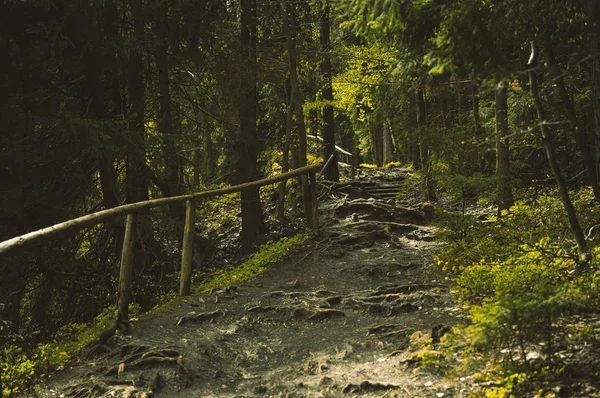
269	254
18	368
522	281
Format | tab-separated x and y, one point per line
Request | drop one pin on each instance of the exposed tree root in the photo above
368	386
203	317
118	324
382	329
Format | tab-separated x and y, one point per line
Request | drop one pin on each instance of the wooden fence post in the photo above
306	198
314	214
187	249
126	272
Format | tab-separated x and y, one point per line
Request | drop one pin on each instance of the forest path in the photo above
334	319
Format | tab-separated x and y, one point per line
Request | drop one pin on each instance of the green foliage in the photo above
464	187
218	211
19	369
16	370
368	165
269	254
427	359
521	279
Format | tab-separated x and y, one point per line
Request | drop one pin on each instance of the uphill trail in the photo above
342	316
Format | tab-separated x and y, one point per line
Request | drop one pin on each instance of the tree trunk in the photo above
165	119
459	106
420	106
593	12
252	219
476	114
101	92
285	162
332	172
388	145
579	132
550	153
504	194
209	153
477	123
137	178
289	31
414	152
377	145
109	187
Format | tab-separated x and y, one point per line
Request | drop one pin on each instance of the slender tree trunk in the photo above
41	302
504	195
421	108
476	114
377	145
137	178
579	132
414	152
477	121
550	153
289	31
165	119
102	92
209	153
593	12
285	166
197	170
388	144
252	219
332	172
459	106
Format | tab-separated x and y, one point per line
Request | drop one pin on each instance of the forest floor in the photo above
347	315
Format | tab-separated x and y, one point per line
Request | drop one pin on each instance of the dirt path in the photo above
335	319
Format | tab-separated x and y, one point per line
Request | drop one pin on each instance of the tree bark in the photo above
550	153
388	144
593	12
423	145
209	153
579	132
504	194
377	145
137	178
476	114
332	172
285	161
289	31
252	218
165	118
102	92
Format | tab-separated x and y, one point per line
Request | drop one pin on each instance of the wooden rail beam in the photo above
90	220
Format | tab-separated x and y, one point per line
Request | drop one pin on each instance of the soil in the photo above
342	316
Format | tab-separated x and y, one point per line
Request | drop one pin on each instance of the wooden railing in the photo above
131	210
344	154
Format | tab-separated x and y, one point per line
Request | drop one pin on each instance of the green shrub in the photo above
18	369
520	276
269	254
